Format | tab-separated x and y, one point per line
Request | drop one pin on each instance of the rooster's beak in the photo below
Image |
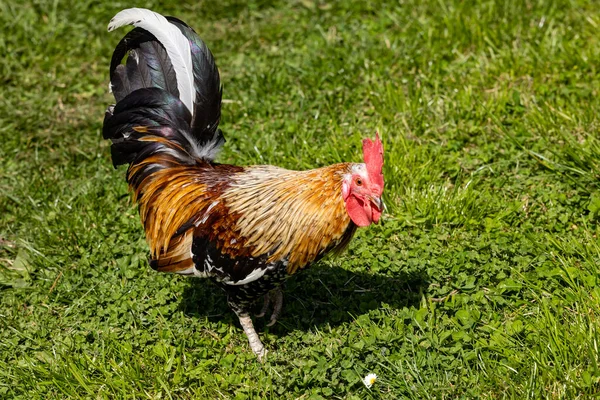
378	202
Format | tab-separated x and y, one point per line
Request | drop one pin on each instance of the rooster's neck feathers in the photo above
289	214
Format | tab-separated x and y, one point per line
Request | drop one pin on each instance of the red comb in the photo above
373	158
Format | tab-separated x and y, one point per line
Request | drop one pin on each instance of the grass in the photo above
481	283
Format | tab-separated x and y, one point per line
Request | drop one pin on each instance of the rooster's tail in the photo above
165	126
168	95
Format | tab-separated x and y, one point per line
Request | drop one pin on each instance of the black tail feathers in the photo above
151	116
140	120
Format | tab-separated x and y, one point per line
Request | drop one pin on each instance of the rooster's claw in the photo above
275	296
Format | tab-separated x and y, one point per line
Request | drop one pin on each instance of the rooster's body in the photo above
246	228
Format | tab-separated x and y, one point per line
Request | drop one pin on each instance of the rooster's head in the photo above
363	186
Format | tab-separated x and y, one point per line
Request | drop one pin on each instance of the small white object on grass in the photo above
369	380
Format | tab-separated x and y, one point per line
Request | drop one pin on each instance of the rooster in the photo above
246	228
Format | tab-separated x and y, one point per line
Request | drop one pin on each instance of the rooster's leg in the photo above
277	297
265	306
253	339
274	297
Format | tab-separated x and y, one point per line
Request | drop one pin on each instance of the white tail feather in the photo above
176	44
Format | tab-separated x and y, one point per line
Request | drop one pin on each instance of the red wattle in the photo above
376	214
360	212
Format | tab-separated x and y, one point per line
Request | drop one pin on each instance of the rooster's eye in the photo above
358	182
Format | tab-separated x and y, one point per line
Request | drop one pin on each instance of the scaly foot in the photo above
255	344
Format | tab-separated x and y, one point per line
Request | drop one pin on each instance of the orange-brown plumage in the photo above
259	210
246	228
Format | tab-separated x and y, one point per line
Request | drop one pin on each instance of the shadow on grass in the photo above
313	298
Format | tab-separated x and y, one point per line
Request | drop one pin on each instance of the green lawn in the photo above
481	283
